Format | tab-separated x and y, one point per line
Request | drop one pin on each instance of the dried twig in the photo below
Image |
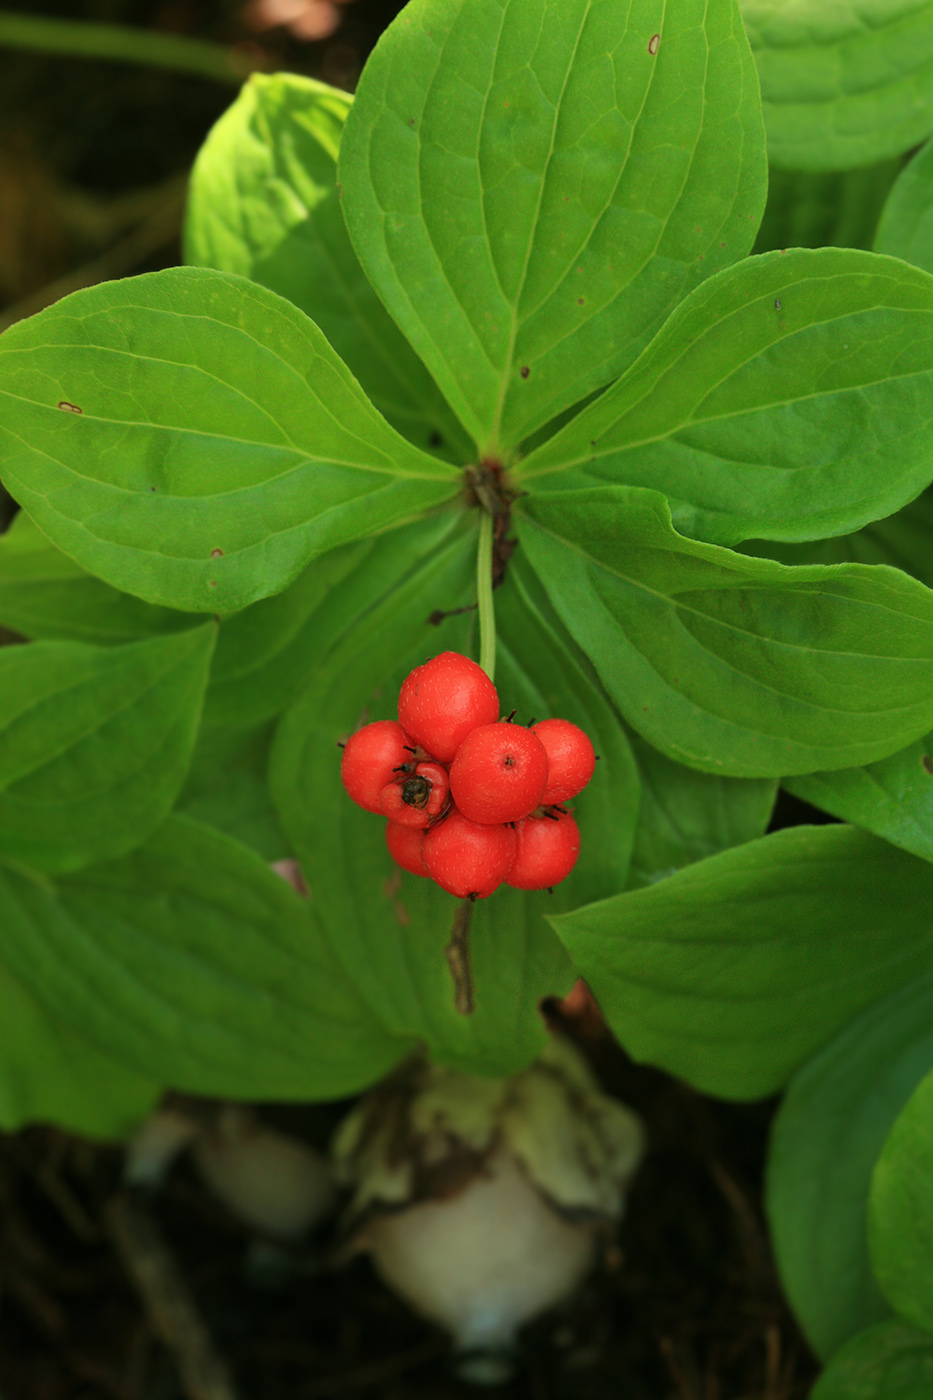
167	1300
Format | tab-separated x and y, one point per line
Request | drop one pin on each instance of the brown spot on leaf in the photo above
69	407
213	583
524	371
654	44
927	763
216	553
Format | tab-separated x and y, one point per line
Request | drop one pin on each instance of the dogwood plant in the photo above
510	296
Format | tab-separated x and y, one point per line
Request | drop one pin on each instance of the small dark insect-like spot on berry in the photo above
927	763
524	371
216	553
654	44
151	488
69	407
415	792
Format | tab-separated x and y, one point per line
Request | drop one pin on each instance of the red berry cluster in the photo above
472	800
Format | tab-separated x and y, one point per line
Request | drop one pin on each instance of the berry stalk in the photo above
485	606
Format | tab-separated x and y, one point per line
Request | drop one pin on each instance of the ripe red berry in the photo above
415	799
499	774
467	859
570	756
546	852
370	759
441	701
404	843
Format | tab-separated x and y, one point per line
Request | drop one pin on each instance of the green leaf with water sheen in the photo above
192	962
786	398
892	798
842	84
733	971
827	1137
733	665
832	208
890	1361
532	185
685	816
900	1211
219	444
94	744
264	202
389	929
50	1073
906	227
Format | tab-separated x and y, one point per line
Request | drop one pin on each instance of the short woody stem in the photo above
458	958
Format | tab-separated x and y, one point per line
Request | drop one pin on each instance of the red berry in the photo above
370	759
570	757
499	774
404	843
441	701
467	859
415	799
546	852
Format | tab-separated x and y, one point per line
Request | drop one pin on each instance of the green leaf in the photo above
892	798
906	227
219	444
228	787
532	185
49	1073
890	1361
844	84
193	963
734	970
46	595
900	1211
267	652
838	208
94	744
734	665
829	1134
685	815
263	202
388	929
786	398
903	540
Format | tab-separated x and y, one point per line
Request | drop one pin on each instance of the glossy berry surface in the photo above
415	799
546	851
467	859
443	700
404	843
370	757
571	760
499	773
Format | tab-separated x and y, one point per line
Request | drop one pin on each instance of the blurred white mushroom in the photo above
483	1202
271	1181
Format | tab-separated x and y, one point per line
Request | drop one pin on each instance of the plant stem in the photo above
485	606
120	43
458	958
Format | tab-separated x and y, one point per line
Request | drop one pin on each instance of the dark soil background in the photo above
93	162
